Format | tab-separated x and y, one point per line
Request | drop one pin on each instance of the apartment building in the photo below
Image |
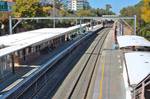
75	5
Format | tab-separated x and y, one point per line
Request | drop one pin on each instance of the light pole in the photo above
10	25
134	24
54	13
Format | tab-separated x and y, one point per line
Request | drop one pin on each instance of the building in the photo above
75	5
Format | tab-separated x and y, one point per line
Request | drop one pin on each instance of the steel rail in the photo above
71	93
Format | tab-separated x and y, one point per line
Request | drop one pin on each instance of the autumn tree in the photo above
146	11
63	13
131	11
142	11
25	8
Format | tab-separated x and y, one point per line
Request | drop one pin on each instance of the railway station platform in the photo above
109	80
24	71
123	72
105	82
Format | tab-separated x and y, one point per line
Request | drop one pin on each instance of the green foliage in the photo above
142	27
33	8
64	13
46	10
85	13
26	8
94	12
131	11
146	11
145	31
101	12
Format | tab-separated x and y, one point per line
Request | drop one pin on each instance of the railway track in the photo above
76	68
68	78
66	66
31	86
82	84
77	85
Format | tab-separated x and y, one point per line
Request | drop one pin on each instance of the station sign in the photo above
5	6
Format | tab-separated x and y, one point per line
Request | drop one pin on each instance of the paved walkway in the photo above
109	83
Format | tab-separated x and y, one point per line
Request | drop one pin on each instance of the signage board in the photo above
5	6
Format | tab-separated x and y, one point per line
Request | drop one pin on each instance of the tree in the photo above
131	11
63	13
57	4
100	12
143	29
146	11
46	10
85	13
128	11
26	8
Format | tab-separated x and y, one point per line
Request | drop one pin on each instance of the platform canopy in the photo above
22	40
131	40
34	35
138	66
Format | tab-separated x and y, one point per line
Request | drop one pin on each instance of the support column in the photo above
92	24
97	22
120	29
10	25
76	21
134	93
54	21
13	63
80	26
143	90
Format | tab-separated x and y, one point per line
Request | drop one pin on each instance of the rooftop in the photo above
132	40
138	65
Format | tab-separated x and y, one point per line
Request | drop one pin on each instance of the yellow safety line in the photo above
101	81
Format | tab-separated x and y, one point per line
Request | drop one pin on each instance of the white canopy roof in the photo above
24	37
138	65
131	40
21	40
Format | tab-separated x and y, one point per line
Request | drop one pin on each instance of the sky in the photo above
117	5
